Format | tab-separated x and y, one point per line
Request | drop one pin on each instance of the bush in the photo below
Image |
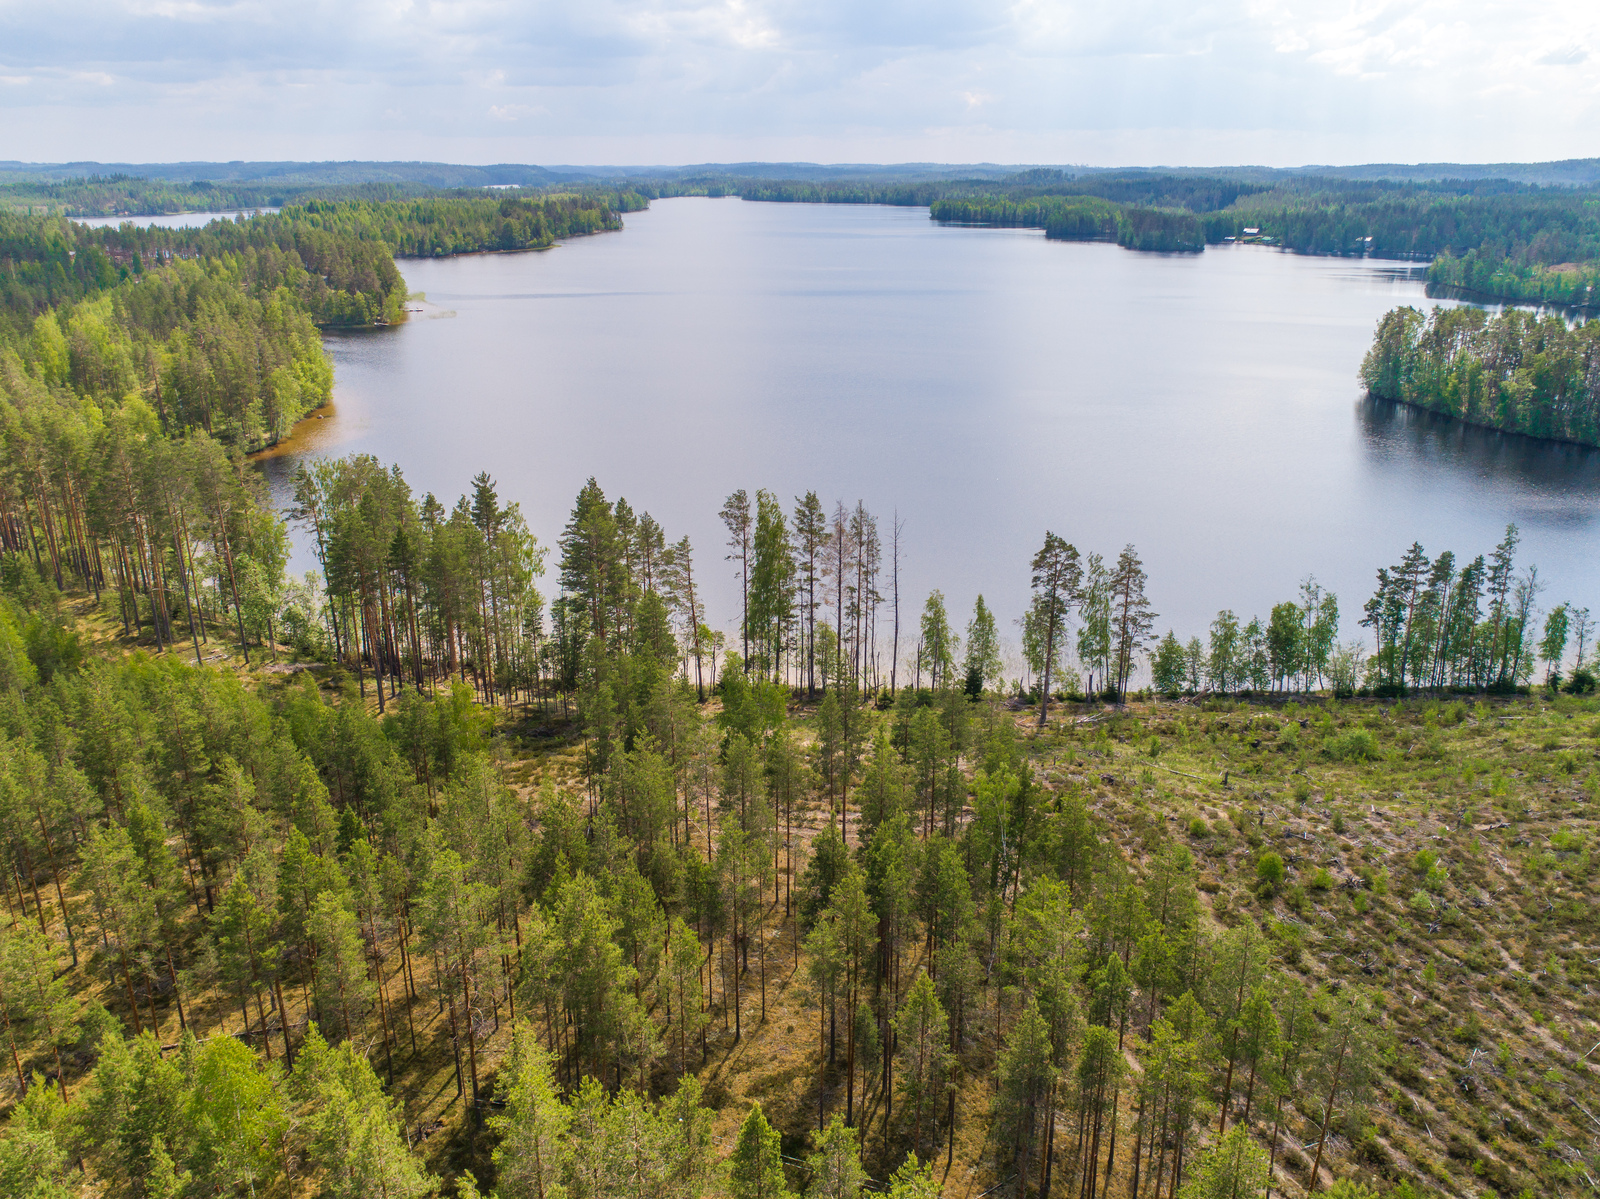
1269	871
1199	828
1355	745
1321	880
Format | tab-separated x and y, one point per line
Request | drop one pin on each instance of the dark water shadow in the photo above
1571	313
1399	435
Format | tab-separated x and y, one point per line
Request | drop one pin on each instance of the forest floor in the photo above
1484	971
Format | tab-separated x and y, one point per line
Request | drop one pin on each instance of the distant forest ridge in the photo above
1495	239
1521	233
1571	172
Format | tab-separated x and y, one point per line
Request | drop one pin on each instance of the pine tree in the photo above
771	589
810	548
29	983
355	1139
1350	1045
452	925
835	1164
531	1158
342	984
755	1169
737	519
1132	617
680	986
922	1031
685	1139
938	642
1057	579
1024	1077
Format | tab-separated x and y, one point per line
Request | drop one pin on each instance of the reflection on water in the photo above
1415	439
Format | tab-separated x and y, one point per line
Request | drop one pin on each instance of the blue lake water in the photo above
986	385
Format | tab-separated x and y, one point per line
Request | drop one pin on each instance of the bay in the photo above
984	384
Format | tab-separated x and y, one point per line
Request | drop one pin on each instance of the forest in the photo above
446	890
409	877
1516	371
132	195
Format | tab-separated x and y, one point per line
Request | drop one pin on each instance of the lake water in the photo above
985	384
171	220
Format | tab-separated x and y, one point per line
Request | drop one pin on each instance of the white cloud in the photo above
1171	81
515	112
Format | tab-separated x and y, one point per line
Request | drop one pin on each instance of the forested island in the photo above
1515	371
411	877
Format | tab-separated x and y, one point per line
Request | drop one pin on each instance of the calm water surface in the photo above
985	384
172	220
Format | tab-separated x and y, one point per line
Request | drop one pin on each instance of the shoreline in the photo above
295	441
1534	438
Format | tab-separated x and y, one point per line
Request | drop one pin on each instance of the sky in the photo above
1096	82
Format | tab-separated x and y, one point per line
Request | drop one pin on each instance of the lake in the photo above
171	220
985	384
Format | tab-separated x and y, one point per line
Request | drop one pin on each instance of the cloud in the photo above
1569	56
515	112
1173	81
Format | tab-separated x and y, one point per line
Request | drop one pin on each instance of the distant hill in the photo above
1571	172
302	174
809	172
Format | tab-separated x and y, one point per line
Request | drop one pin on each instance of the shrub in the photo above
1269	871
1354	745
1199	828
1320	880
